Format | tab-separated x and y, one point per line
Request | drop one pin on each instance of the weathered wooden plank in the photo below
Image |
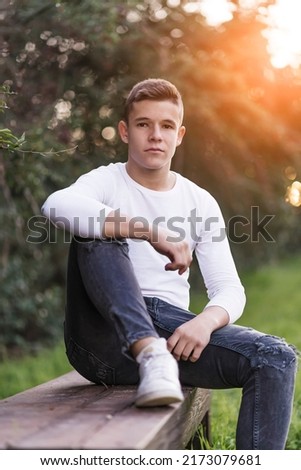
135	428
71	429
29	411
157	428
71	413
198	407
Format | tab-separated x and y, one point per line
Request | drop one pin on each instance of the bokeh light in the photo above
293	194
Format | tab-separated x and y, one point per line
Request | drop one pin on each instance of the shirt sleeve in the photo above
224	288
80	208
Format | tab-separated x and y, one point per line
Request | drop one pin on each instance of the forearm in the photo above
118	225
121	226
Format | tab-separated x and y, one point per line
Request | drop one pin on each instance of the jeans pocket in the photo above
88	365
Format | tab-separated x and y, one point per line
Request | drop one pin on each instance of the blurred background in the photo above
65	68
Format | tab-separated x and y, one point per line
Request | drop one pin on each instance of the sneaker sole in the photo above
155	399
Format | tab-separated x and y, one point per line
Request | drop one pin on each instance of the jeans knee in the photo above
95	242
274	352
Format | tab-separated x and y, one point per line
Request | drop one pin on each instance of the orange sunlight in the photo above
282	20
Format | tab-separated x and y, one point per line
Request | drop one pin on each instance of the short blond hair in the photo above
156	89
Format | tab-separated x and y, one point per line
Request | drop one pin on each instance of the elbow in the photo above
54	210
45	209
243	299
51	206
240	304
237	304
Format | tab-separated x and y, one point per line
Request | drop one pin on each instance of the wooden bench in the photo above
71	413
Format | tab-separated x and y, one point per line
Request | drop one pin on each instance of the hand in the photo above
190	339
178	252
163	241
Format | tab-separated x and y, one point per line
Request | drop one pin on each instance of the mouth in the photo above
154	150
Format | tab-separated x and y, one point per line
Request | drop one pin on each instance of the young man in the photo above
136	226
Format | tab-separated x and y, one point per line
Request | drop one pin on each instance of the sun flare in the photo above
284	33
282	20
216	12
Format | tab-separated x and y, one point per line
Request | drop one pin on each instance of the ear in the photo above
181	133
123	131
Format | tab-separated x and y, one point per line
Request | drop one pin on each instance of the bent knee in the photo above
273	351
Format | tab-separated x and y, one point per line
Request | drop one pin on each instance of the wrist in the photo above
117	225
216	317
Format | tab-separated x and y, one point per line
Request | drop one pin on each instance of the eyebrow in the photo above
167	121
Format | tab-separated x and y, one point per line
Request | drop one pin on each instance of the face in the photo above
153	132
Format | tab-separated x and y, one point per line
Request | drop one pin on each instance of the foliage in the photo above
7	139
69	65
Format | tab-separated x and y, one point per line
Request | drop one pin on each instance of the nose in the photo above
155	133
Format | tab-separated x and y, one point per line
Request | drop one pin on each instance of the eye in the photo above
142	124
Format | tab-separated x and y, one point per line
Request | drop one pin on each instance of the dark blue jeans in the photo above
106	313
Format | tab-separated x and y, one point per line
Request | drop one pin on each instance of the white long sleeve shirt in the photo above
187	210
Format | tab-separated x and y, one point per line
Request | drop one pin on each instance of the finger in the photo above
172	341
170	267
176	266
182	270
186	353
182	350
196	353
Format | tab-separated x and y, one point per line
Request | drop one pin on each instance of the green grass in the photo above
273	306
19	374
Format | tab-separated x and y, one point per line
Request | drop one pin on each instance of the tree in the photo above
68	64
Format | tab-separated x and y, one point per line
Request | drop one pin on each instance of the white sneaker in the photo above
159	376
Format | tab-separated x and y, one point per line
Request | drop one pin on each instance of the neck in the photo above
155	180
